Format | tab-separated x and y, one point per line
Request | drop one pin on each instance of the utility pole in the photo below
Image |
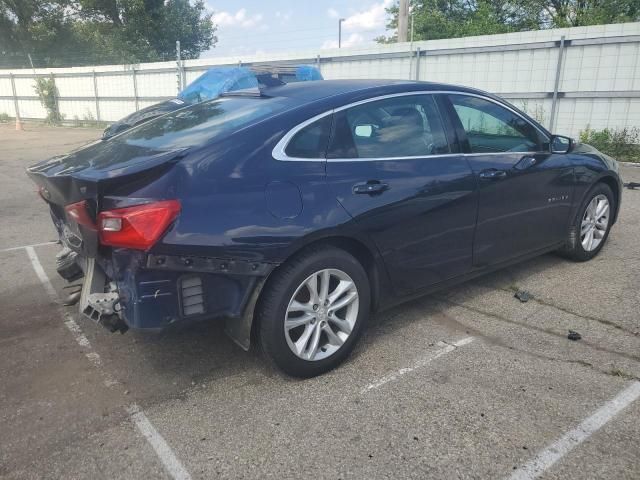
403	20
340	32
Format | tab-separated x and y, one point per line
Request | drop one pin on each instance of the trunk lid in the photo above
88	175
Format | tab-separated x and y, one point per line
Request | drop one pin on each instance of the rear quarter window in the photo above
311	141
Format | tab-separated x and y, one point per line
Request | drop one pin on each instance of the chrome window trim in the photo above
278	151
423	157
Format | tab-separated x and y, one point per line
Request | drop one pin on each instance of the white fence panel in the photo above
75	86
598	82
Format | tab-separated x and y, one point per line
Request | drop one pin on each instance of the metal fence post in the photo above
135	88
178	73
15	98
95	96
554	102
417	63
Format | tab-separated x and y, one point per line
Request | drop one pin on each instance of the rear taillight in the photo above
138	227
79	213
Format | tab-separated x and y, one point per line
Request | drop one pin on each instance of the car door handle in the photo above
493	174
372	187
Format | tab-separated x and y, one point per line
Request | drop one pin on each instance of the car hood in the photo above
590	151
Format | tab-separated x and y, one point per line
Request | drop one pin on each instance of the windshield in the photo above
201	123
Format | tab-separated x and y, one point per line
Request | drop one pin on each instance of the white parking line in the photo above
170	462
42	275
69	322
22	247
558	449
443	349
162	449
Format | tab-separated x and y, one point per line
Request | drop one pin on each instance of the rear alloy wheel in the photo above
592	224
321	314
313	311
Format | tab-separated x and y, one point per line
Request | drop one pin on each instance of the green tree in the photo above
434	19
33	25
575	13
146	30
85	32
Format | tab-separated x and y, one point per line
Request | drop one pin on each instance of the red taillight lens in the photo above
79	213
138	227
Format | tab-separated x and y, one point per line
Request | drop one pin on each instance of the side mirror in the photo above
363	131
561	144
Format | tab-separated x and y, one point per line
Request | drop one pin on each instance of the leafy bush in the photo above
88	120
48	93
4	118
623	144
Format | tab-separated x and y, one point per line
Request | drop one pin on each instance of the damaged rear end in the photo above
110	204
143	217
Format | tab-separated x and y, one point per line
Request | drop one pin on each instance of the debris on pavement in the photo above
632	185
573	335
523	296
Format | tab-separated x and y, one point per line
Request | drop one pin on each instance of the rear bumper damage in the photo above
155	292
100	300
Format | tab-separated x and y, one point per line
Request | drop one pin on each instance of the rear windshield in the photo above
201	123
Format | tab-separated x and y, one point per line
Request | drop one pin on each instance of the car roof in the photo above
316	90
344	91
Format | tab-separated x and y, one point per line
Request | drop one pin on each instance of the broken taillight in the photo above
80	214
138	227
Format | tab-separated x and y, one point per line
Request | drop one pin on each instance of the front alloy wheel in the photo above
595	222
321	314
591	225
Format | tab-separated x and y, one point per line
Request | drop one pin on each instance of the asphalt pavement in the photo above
465	383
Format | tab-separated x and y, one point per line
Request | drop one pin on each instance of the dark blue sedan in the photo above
295	211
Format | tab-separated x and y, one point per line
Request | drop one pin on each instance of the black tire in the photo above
574	249
279	290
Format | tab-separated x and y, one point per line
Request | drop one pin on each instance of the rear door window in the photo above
491	128
404	126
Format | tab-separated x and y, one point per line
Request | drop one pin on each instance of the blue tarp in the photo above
306	73
216	81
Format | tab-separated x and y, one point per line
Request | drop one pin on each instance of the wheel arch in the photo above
614	185
365	254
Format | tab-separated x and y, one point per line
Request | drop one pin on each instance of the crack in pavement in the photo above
500	343
602	321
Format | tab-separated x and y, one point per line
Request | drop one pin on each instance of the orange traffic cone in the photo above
18	124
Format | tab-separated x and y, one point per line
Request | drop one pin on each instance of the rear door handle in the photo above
493	174
371	187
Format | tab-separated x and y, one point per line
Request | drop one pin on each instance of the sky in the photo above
253	27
